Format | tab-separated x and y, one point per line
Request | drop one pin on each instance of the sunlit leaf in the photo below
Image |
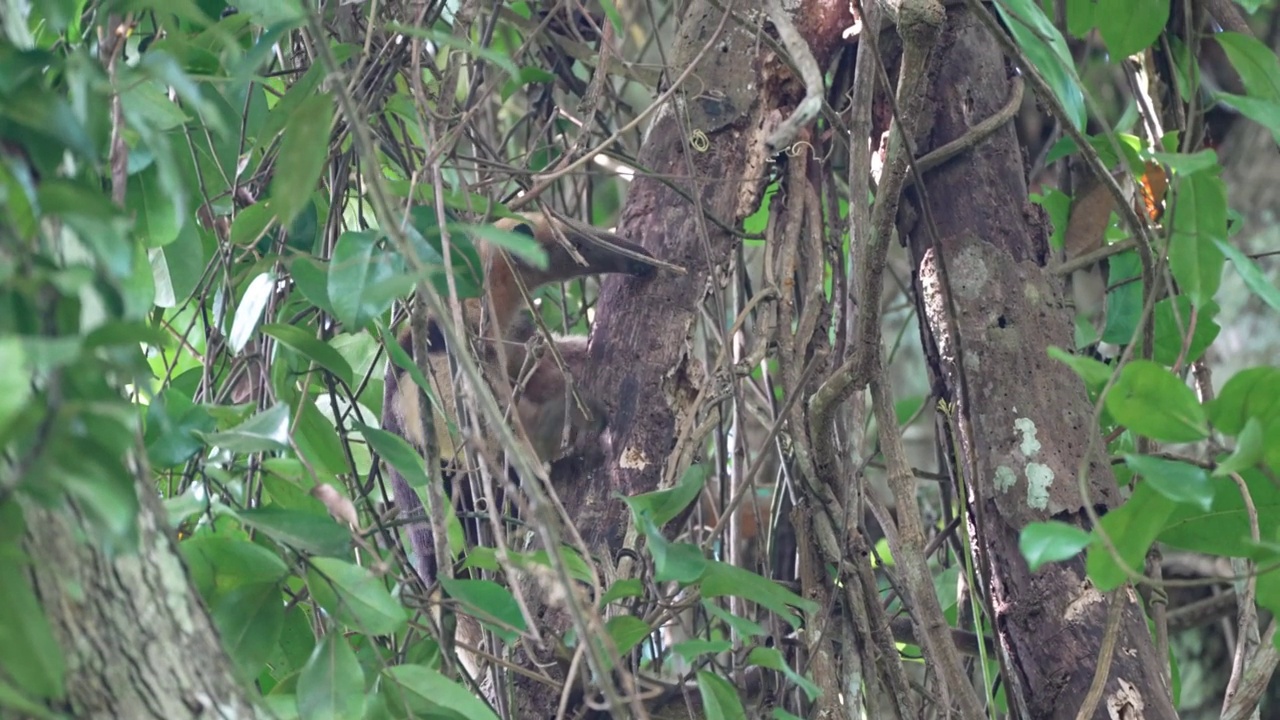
264	432
719	698
250	309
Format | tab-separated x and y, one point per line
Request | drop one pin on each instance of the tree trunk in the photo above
135	637
707	166
1021	421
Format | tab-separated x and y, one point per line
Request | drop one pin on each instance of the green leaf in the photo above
331	686
690	650
15	382
1042	543
251	225
396	451
1265	112
772	659
740	625
357	278
725	579
249	619
1132	527
219	563
627	631
1047	50
1153	402
1224	529
353	595
173	422
490	603
1251	393
1130	26
621	589
1124	300
518	244
154	208
1176	480
317	441
311	533
303	152
1095	373
177	268
1255	62
682	562
272	12
265	432
1250	449
1171	329
1199	218
719	698
315	350
29	653
312	278
426	693
664	505
1251	274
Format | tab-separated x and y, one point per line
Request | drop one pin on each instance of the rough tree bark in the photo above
1022	421
135	636
707	166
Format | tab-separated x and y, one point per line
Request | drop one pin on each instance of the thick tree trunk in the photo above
136	639
1022	420
707	166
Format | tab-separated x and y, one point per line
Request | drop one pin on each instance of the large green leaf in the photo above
331	686
355	597
1151	401
303	152
249	619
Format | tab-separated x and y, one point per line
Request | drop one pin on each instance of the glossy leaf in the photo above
1047	50
1151	401
1249	394
627	631
767	657
1178	481
1042	543
725	579
1173	320
249	311
264	432
397	452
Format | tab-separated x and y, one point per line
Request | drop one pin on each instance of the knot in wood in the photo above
919	21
